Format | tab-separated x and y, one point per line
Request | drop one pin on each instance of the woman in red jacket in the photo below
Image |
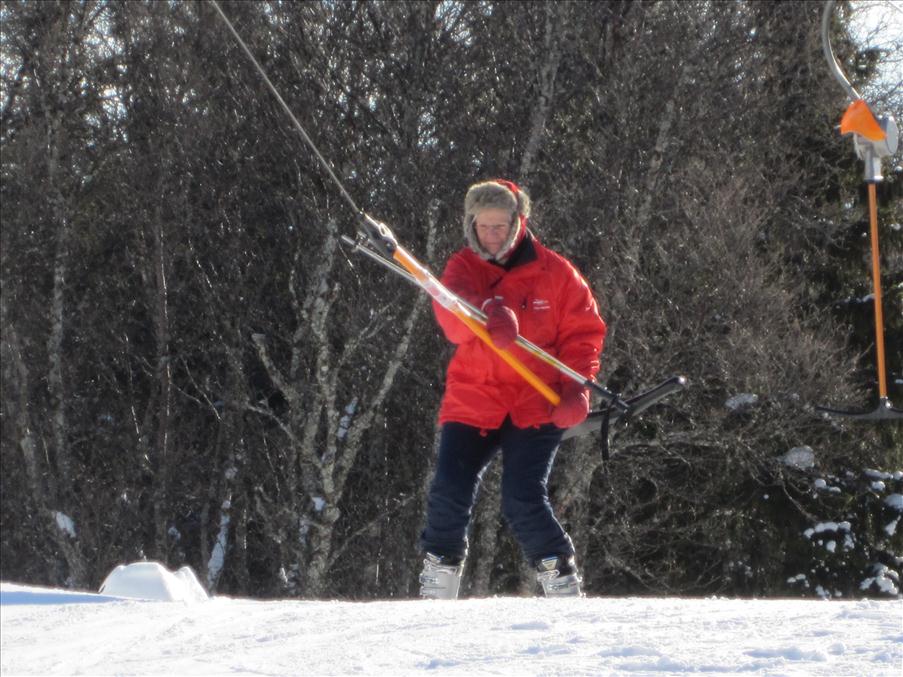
525	289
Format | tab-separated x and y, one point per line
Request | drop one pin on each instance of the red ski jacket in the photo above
555	310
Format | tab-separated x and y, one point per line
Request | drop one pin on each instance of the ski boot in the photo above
558	576
441	576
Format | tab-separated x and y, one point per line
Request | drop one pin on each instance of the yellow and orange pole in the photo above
435	289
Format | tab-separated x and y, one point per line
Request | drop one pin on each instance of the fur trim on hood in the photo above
496	194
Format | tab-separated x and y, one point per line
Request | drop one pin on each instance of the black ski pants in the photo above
527	458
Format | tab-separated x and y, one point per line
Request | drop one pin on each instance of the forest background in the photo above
196	371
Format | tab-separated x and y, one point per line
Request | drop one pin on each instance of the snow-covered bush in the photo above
853	543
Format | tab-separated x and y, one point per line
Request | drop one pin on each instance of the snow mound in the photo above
152	580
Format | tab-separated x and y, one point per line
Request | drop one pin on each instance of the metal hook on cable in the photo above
829	53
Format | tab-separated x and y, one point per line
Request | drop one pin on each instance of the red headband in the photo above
510	185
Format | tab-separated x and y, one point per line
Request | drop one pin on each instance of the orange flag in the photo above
858	118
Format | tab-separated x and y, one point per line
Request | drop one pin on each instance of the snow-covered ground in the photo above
54	632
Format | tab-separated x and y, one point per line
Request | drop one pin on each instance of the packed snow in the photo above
58	632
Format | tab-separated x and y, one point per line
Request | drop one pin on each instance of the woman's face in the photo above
492	226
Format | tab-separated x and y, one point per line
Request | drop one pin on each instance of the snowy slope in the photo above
51	632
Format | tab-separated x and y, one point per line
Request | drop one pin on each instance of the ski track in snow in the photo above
45	632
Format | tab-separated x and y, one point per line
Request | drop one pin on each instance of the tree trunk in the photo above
162	375
547	75
56	383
